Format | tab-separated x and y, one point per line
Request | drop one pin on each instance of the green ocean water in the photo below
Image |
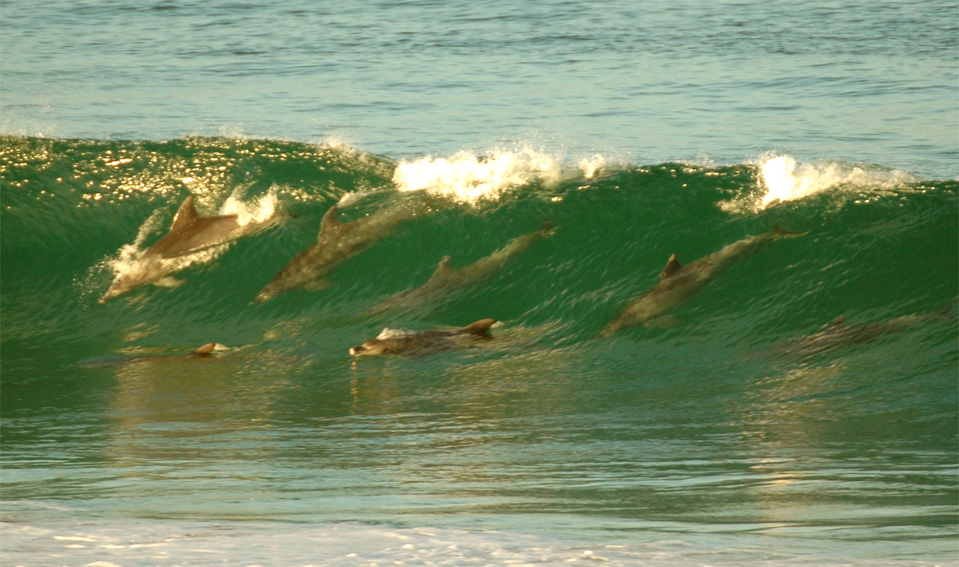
698	429
799	409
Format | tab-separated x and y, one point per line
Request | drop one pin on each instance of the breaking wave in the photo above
617	225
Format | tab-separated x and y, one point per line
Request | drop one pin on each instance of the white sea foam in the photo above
139	542
471	179
785	179
782	179
127	260
592	166
260	211
352	197
144	268
388	333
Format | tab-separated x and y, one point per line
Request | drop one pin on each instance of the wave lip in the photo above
469	179
785	179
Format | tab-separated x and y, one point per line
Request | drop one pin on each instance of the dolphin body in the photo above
838	334
678	283
204	351
191	232
189	240
408	343
335	242
447	279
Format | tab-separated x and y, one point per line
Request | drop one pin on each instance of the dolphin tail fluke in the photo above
480	327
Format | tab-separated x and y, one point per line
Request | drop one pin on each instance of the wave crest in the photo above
785	179
470	179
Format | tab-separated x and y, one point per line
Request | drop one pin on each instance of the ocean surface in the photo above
801	407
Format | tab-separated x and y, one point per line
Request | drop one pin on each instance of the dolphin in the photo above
447	279
678	283
335	242
837	334
191	239
204	351
191	232
404	342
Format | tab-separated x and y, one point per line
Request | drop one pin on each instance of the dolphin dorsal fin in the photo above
209	348
329	223
185	215
480	327
444	267
205	350
672	268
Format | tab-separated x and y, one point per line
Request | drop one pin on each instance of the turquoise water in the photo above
709	437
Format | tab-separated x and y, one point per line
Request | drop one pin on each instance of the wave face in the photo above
715	382
879	242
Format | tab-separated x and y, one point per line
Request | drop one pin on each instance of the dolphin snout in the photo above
357	350
264	295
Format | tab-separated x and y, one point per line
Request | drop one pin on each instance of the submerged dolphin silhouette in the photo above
838	334
203	351
190	234
678	283
403	342
447	279
335	242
